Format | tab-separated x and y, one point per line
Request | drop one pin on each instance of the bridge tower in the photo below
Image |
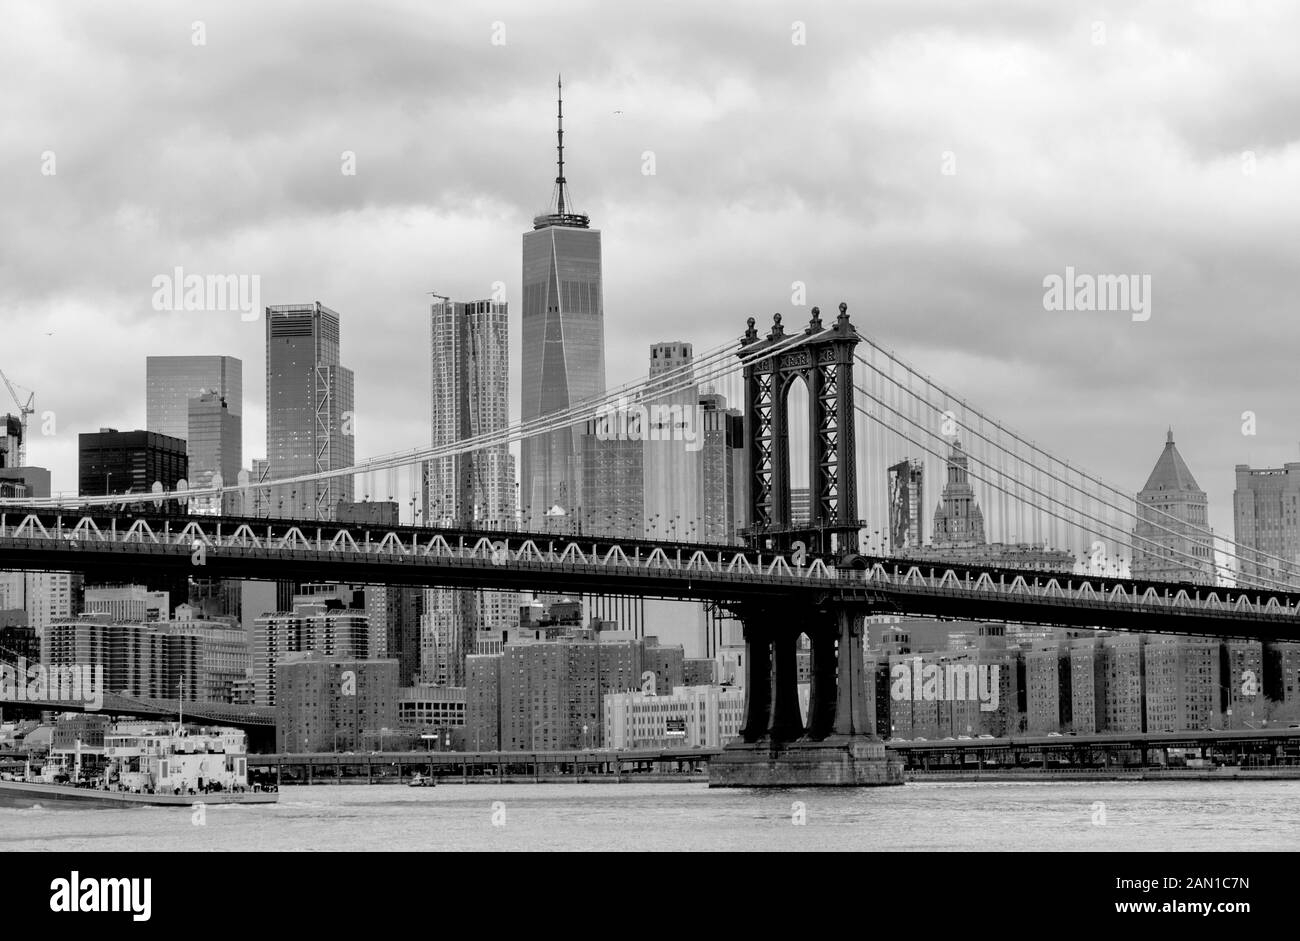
837	745
824	362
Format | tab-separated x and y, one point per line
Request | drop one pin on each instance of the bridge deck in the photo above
735	576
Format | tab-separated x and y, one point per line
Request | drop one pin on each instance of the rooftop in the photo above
1171	472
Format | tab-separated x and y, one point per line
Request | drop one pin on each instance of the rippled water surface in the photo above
1107	816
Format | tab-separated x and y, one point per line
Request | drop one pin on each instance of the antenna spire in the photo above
559	141
560	211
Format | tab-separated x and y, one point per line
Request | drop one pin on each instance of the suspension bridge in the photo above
819	404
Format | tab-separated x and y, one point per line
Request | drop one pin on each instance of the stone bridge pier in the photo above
836	746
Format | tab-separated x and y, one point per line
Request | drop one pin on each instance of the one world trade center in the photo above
563	360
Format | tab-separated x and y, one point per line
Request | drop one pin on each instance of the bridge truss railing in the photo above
1076	591
717	568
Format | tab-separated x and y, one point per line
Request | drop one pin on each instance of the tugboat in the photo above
147	765
423	780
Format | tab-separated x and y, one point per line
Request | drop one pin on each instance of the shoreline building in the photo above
1048	693
1241	671
688	717
427	707
309	402
225	654
563	350
138	659
972	690
333	703
549	693
152	660
334	632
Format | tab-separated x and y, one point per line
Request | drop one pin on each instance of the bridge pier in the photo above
837	747
786	723
823	692
758	681
851	714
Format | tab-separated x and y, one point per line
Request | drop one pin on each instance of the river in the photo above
1052	815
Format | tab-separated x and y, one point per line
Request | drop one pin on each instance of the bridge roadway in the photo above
117	544
115	704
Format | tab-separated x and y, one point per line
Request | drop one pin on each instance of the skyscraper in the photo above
17	480
212	446
563	348
1170	538
469	365
672	448
1266	519
470	368
958	520
613	473
308	409
113	462
906	504
11	440
722	476
171	381
643	477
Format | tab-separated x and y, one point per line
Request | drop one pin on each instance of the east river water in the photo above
1050	815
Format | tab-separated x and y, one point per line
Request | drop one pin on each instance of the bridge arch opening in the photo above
798	441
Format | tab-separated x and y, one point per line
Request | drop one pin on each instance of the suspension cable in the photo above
1256	553
1120	508
1122	540
722	361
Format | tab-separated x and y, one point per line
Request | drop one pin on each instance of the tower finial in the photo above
559	141
1169	437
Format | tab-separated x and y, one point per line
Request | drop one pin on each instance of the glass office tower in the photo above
171	381
212	447
308	410
563	352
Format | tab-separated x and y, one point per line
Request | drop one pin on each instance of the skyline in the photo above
372	251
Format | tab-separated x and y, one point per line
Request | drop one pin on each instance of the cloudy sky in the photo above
1130	138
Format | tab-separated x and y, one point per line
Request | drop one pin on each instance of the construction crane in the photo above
24	411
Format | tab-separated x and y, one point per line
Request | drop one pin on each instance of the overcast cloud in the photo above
775	163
